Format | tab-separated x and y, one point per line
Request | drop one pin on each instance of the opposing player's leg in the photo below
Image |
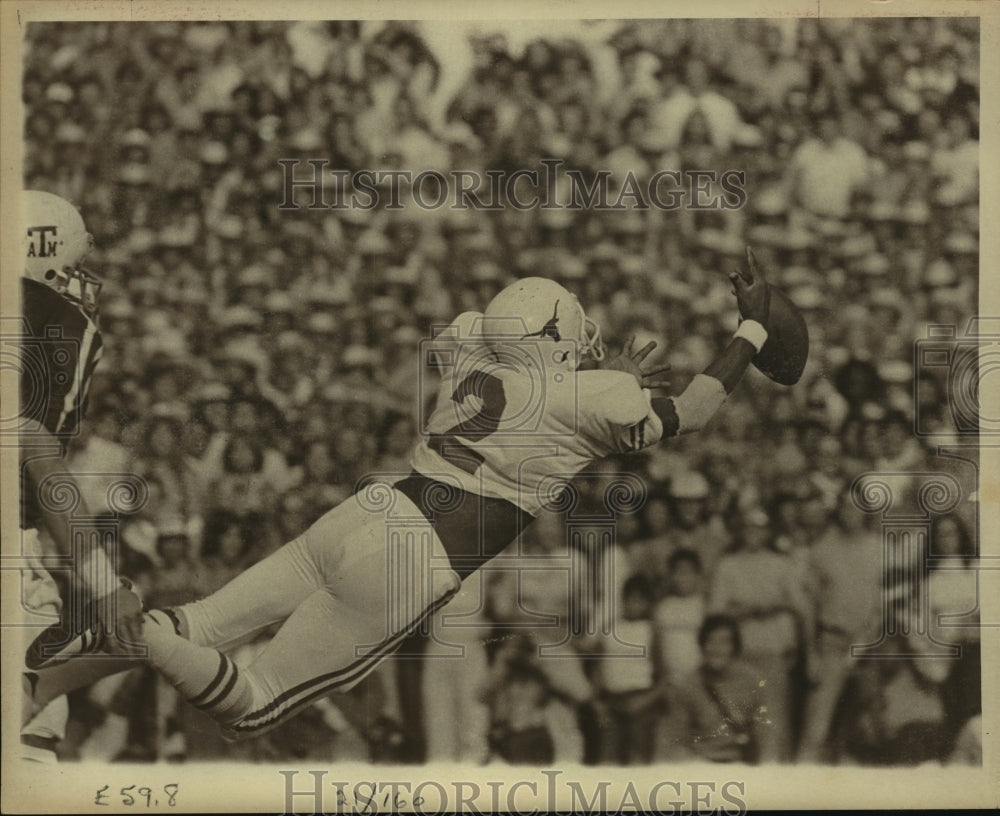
42	725
265	594
46	684
42	734
381	576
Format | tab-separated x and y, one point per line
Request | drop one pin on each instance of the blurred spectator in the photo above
692	526
647	548
517	696
827	169
845	586
678	617
396	441
227	544
178	579
517	598
953	600
762	590
956	162
630	681
690	96
715	712
904	707
182	491
242	489
323	484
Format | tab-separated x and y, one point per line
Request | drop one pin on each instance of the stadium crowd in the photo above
260	361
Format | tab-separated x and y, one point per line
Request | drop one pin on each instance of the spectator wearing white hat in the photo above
692	526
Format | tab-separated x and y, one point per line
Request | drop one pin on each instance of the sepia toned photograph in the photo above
435	412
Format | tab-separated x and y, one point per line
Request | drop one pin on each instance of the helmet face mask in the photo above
55	245
593	343
83	287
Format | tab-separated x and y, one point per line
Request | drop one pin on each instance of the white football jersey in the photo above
507	426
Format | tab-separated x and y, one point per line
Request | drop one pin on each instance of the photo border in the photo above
219	787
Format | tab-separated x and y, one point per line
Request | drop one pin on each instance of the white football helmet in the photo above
542	308
55	243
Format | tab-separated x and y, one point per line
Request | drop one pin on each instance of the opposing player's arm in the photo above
94	569
116	608
40	460
697	404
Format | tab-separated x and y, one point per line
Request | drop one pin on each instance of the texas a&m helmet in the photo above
55	243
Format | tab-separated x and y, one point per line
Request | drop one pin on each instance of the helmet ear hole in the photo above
50	274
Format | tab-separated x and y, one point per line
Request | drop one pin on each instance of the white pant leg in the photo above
383	571
40	601
265	594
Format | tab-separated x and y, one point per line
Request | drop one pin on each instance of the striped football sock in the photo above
208	679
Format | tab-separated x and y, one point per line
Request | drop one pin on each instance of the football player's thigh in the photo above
380	584
270	590
383	576
315	651
387	566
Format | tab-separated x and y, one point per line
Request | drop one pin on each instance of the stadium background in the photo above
259	362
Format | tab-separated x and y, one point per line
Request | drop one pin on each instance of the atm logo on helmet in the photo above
41	244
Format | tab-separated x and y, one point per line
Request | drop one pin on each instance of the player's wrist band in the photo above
753	332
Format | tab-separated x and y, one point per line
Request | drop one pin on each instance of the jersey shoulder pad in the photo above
461	336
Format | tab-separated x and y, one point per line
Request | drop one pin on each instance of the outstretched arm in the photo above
693	408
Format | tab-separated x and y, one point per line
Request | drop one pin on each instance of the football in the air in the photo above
784	355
